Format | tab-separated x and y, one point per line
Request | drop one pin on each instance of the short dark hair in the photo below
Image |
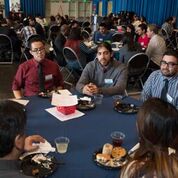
102	24
106	45
143	26
34	38
171	52
12	123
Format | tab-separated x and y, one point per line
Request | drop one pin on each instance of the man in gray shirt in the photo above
103	75
167	75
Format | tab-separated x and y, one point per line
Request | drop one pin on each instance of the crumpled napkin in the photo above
43	148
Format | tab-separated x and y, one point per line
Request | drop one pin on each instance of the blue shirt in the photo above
154	84
99	37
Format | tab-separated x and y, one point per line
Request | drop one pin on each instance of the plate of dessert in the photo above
125	108
38	165
110	157
85	105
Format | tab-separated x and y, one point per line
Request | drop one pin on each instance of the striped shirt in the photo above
154	84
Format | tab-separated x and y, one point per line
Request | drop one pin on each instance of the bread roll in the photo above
107	149
103	157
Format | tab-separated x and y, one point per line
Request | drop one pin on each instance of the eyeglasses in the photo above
170	64
37	50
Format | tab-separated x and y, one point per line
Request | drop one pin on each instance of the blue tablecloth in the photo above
87	134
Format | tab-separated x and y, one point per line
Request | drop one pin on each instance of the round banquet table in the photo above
87	134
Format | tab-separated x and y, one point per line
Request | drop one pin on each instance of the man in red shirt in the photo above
27	80
143	38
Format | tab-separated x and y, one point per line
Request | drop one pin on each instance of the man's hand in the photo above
28	146
90	89
87	90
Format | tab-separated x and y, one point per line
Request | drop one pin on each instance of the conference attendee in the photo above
13	139
103	34
59	43
143	38
129	48
73	42
37	74
156	155
131	29
39	29
103	75
156	47
168	26
163	83
87	47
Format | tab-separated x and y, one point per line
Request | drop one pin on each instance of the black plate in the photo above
126	108
85	105
31	168
45	94
122	161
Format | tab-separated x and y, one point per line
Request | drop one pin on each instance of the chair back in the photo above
71	56
6	50
85	34
117	37
53	31
137	65
164	34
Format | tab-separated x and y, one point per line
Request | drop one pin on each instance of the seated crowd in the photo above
103	74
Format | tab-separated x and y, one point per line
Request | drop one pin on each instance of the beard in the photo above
167	73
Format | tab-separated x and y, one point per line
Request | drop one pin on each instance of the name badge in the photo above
169	98
48	77
108	81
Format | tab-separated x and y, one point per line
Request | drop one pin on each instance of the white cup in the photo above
62	144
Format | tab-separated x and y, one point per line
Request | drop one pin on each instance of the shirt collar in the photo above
42	62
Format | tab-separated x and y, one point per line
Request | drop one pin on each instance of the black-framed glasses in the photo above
170	64
37	50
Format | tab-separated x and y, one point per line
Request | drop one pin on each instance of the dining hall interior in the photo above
87	72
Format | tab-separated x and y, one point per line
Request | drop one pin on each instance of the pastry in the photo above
118	152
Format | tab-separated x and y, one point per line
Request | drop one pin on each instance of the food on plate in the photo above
35	171
100	157
118	152
107	148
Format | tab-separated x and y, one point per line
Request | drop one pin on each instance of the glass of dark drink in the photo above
117	138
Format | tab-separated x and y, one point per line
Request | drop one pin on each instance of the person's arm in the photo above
17	84
17	94
120	86
84	78
146	92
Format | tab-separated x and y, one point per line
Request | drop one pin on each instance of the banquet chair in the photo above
71	58
137	66
169	41
53	31
6	50
117	37
85	24
85	33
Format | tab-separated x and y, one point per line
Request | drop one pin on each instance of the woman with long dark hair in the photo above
156	157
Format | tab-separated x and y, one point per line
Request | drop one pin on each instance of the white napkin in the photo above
65	92
43	148
63	117
85	98
64	100
20	101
